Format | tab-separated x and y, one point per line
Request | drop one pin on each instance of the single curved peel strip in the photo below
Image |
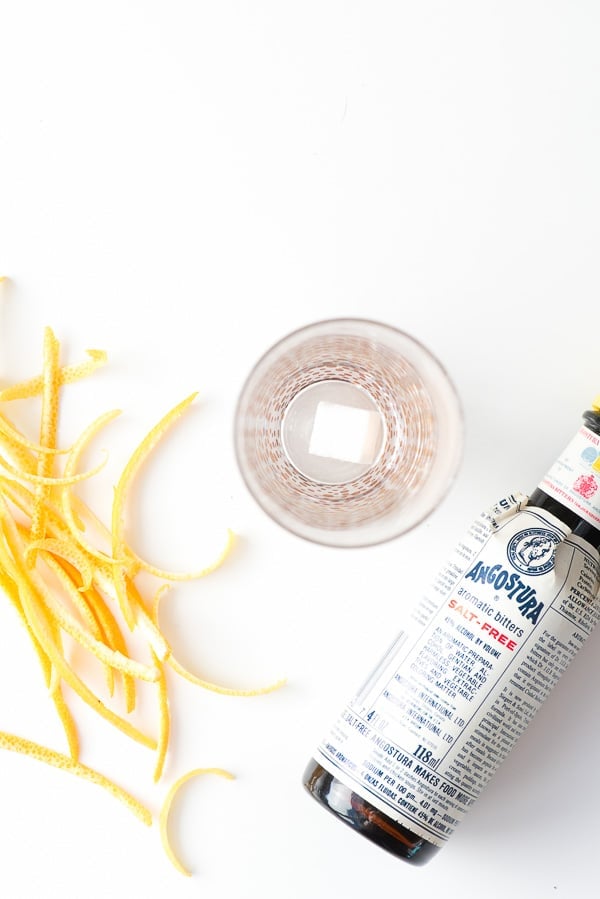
67	375
13	434
48	433
167	575
58	760
68	499
168	803
188	675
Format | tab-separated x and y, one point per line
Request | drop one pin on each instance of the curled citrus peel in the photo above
62	584
74	521
118	510
219	688
167	575
188	675
164	720
66	375
11	434
168	803
58	760
53	546
14	474
48	433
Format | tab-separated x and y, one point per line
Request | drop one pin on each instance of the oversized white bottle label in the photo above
498	627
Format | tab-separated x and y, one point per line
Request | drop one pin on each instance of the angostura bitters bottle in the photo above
413	749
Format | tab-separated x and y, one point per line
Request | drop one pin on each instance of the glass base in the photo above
365	818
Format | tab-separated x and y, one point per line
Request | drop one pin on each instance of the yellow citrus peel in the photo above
118	524
165	720
65	375
48	433
68	500
188	675
58	760
168	803
11	434
63	585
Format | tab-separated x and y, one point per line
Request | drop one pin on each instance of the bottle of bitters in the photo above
412	750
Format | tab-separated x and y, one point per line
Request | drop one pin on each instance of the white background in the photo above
183	183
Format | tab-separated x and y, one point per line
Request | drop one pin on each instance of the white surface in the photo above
182	184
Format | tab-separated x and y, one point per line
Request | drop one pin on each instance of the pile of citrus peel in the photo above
62	585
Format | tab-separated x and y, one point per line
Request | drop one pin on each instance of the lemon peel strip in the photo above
164	721
22	497
113	637
64	714
14	474
103	653
114	658
43	630
39	627
146	622
12	433
69	499
20	456
117	641
139	455
53	546
167	805
75	594
217	688
68	723
66	375
198	681
166	575
69	624
64	763
48	433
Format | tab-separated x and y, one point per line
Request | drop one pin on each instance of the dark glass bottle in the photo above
358	812
364	817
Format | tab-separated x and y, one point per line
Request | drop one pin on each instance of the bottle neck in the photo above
591	419
577	525
562	492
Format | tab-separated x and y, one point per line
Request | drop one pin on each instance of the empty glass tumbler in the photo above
348	432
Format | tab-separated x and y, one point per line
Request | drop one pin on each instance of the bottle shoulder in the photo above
577	525
591	419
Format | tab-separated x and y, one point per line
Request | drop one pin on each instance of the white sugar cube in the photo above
345	433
